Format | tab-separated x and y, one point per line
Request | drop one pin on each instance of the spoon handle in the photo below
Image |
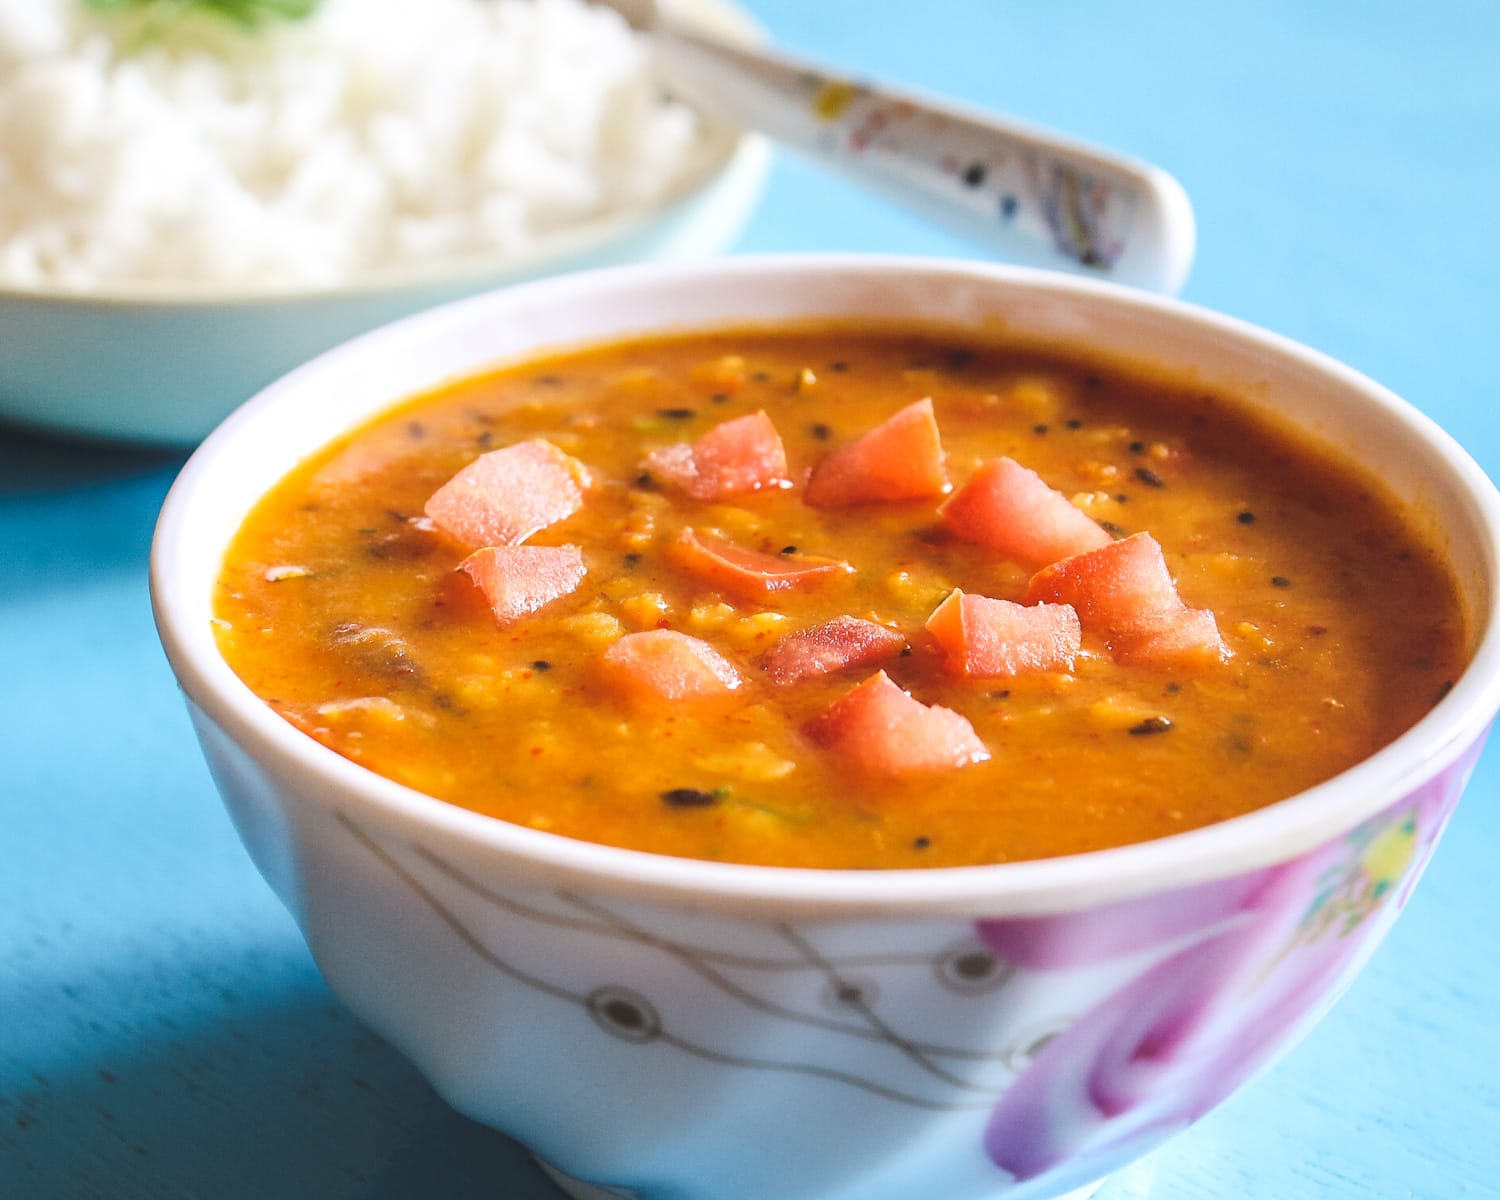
1025	194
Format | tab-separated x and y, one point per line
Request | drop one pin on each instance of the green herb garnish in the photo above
157	16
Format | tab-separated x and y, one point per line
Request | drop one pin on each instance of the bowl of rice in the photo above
192	204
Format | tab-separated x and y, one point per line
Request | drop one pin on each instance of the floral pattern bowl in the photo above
681	1030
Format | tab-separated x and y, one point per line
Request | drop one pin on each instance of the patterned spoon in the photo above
1026	194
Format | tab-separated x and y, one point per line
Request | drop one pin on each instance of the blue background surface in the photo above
162	1029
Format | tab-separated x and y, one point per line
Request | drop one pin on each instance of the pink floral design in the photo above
1254	961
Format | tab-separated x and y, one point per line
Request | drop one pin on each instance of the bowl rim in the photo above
1262	838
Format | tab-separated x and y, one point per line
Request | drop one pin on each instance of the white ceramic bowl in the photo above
159	365
695	1031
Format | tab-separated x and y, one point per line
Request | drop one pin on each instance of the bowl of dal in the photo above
834	726
193	208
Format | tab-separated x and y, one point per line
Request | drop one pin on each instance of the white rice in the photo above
378	135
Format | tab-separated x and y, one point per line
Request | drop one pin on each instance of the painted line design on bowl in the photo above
955	967
625	1013
843	989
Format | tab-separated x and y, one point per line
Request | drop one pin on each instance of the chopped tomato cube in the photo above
1010	509
985	637
739	456
752	574
880	729
517	580
1122	588
832	646
900	459
1191	637
1126	592
663	664
503	497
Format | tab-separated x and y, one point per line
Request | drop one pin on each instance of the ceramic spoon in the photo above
1025	194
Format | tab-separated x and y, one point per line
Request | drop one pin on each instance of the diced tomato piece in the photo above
752	574
503	497
900	459
880	729
1012	510
832	646
518	580
1126	592
1191	637
987	638
1123	588
662	664
739	456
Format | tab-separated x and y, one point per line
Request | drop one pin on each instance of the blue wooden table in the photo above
162	1030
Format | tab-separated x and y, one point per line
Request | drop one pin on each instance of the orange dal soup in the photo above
1332	627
